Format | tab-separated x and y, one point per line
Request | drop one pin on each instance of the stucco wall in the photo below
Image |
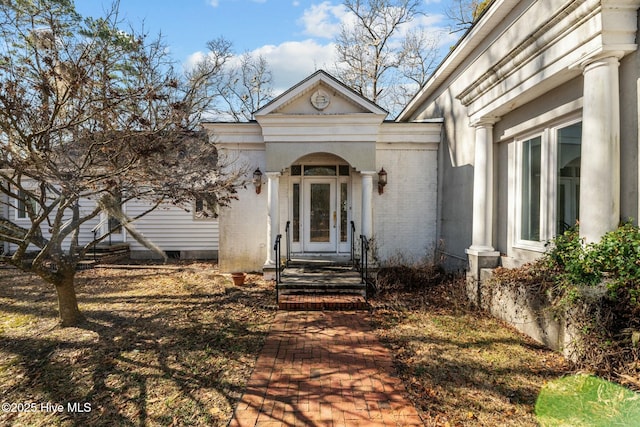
243	234
520	66
529	312
404	221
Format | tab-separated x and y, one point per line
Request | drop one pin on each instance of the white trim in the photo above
302	246
332	244
548	185
569	111
518	242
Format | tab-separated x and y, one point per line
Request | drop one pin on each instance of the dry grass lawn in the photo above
160	346
175	345
462	367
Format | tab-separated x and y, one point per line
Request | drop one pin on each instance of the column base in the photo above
480	258
269	271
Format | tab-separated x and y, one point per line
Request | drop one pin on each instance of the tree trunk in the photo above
67	302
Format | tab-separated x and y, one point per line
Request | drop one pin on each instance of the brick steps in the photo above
322	302
316	287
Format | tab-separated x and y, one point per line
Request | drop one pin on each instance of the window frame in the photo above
548	184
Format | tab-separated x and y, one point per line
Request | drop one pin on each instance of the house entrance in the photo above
321	204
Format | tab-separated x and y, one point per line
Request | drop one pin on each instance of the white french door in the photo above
320	218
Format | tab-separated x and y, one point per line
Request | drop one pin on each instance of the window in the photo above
568	177
531	168
23	202
296	212
202	210
319	170
547	184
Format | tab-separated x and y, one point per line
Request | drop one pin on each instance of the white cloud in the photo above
290	62
214	3
295	3
193	59
323	20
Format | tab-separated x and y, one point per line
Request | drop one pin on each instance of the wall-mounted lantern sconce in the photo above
382	180
257	180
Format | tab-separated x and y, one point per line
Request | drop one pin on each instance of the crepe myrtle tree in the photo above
93	116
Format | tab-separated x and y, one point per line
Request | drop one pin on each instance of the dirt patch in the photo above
462	367
160	346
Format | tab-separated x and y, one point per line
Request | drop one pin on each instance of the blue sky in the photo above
295	36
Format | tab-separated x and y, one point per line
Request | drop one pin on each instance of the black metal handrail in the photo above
276	248
278	251
353	243
288	234
364	263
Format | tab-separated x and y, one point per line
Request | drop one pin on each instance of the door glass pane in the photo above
320	215
531	170
296	213
343	212
568	177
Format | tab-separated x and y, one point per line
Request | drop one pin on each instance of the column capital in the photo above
486	121
273	174
368	173
597	58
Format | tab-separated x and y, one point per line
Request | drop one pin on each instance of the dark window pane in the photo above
568	176
319	170
531	181
296	213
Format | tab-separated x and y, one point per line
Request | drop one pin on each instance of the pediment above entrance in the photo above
320	114
320	94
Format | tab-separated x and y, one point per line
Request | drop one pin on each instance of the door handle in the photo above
335	219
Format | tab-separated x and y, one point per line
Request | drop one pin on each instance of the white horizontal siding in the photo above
172	229
85	236
169	227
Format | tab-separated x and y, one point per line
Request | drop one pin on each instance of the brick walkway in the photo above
324	369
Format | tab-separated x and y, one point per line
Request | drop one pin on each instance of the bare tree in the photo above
91	117
377	54
246	88
243	84
464	13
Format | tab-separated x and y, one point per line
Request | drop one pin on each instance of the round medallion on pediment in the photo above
320	99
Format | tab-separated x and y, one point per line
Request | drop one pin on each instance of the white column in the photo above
273	220
482	231
367	205
600	163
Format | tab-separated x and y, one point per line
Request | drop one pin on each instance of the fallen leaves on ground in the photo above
462	367
161	345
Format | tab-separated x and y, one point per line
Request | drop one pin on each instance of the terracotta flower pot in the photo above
238	278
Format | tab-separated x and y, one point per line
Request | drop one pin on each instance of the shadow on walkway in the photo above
324	369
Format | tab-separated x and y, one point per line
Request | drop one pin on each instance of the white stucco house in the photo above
540	107
321	150
528	125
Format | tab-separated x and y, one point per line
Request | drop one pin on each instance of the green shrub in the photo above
615	259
